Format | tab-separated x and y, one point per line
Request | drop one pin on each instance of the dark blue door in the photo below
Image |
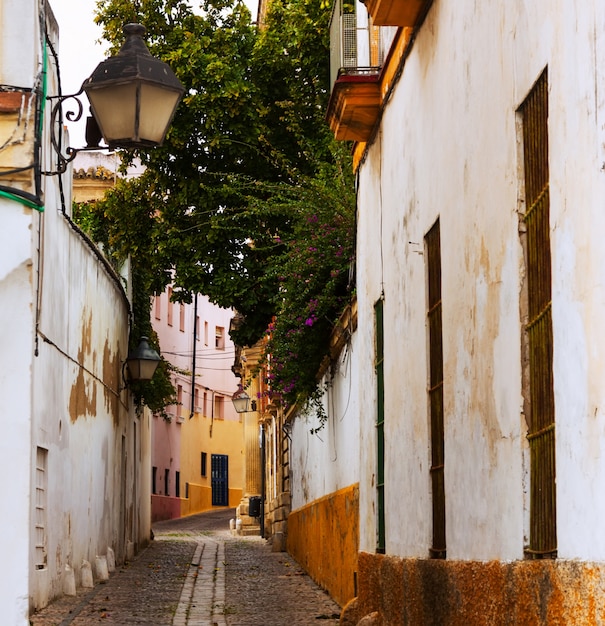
220	480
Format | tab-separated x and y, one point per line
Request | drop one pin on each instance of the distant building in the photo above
198	458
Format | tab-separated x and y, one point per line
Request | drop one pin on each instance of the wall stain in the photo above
112	380
83	396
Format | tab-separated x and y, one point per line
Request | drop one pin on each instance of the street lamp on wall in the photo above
141	363
241	400
133	98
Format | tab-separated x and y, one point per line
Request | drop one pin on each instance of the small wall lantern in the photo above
142	362
241	400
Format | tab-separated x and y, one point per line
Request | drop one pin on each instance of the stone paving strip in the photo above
202	601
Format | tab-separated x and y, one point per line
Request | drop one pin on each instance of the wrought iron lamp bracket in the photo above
72	114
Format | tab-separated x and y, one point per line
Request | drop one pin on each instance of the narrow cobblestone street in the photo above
195	573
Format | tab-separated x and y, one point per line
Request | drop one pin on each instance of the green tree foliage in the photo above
249	201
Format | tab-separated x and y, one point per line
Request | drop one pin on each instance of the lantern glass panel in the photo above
115	111
157	108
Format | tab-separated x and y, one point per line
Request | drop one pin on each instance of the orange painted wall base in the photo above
324	538
472	593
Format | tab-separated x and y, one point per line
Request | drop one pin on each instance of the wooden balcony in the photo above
354	105
395	12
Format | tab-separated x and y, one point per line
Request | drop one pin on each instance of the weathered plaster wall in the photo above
577	117
81	418
448	148
322	530
327	461
19	43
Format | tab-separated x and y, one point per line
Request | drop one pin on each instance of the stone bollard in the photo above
86	575
111	560
129	550
101	568
69	581
278	543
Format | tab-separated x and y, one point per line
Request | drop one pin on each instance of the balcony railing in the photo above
357	51
354	42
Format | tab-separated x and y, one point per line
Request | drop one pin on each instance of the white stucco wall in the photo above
20	42
448	147
326	461
64	324
19	45
16	339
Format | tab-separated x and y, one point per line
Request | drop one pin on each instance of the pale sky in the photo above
79	52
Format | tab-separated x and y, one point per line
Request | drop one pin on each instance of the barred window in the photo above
538	330
434	320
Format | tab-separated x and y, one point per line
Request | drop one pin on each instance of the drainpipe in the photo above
262	481
212	412
192	410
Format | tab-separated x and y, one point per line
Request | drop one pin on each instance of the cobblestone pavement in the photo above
265	588
195	573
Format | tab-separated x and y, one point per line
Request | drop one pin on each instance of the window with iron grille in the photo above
169	307
434	320
182	317
219	407
219	340
41	511
179	400
538	330
379	365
